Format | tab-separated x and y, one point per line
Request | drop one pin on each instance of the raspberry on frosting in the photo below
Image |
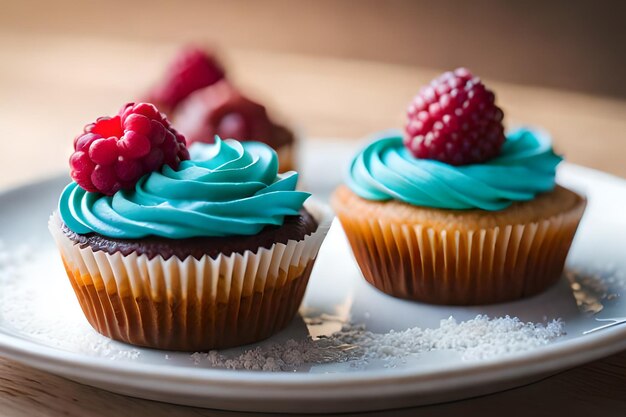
192	69
222	110
114	152
455	120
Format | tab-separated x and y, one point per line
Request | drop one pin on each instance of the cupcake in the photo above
183	250
203	104
223	111
452	210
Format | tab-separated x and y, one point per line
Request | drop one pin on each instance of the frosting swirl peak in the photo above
226	188
386	170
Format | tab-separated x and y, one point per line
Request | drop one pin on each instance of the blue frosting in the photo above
385	169
227	188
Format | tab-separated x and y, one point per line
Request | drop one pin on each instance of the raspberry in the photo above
191	70
222	110
114	152
455	120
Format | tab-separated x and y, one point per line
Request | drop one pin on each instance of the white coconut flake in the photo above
44	308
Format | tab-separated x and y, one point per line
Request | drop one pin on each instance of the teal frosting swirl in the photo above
386	170
226	188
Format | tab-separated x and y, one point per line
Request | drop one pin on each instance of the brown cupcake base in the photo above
460	257
190	324
193	303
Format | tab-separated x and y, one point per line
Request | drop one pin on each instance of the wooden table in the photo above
49	88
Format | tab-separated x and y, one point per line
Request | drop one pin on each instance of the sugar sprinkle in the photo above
476	339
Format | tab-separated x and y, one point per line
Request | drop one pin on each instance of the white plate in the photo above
336	287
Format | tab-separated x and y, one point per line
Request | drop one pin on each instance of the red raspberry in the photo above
114	152
191	70
455	120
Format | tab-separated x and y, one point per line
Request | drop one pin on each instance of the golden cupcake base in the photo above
460	257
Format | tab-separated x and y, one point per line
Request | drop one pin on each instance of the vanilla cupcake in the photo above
208	252
453	211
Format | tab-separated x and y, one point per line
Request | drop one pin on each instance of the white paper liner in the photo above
192	304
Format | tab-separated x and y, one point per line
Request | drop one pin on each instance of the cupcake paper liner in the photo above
453	266
192	304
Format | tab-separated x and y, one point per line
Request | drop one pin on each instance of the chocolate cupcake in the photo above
452	211
222	110
210	252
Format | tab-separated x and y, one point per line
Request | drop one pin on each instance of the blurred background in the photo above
331	69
